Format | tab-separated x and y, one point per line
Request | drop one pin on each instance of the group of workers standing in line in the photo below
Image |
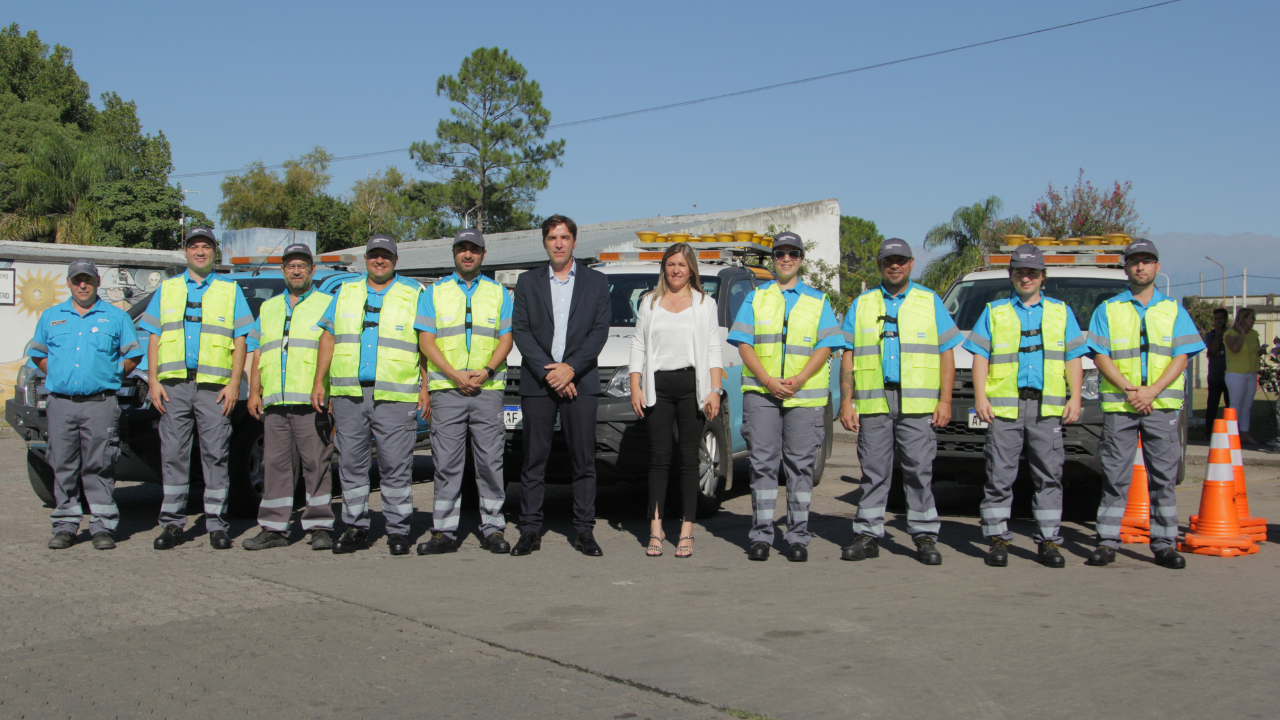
385	351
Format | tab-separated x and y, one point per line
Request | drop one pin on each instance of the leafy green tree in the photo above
1085	210
136	213
859	246
21	125
54	188
968	237
259	197
329	218
149	157
32	73
490	152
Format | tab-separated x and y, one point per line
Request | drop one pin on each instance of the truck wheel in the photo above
715	466
245	469
41	477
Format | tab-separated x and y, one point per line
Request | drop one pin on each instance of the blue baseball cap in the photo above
895	246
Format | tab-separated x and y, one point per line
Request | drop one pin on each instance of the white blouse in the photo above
704	338
672	336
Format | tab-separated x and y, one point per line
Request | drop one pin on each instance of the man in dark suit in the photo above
560	323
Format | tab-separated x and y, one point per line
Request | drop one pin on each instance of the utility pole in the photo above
1224	277
182	219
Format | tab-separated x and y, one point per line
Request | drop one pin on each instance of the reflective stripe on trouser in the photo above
83	449
780	441
358	421
1162	450
293	435
1042	437
191	408
452	414
911	438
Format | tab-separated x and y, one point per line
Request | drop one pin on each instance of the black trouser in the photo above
677	403
578	418
1217	391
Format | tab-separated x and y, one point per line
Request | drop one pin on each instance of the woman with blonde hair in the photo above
1244	353
675	380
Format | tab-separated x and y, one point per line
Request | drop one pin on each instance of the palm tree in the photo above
53	187
969	238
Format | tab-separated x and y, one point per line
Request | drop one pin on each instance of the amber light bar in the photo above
276	259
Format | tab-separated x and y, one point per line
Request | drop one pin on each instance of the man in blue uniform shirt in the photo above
84	346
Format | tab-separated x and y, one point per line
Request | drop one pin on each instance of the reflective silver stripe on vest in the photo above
798	350
877	394
1171	394
1186	340
769	338
434	376
246	320
980	341
397	344
1052	400
1055	355
829	332
171	326
921	348
214	371
751	381
287	397
344	381
451	331
1126	354
483	332
215	330
862	350
170	367
810	394
946	336
502	376
347	338
1160	350
1004	358
1078	341
1003	402
395	387
1114	397
253	333
273	345
920	393
304	344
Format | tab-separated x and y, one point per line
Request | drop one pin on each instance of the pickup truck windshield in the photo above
625	292
966	299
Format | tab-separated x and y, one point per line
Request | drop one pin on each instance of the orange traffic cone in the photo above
1218	527
1255	528
1135	526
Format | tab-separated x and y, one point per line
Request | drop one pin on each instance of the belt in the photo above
367	383
97	397
681	370
1028	394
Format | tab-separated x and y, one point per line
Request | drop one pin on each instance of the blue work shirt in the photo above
1186	338
428	305
890	351
561	300
149	322
1030	364
743	330
255	335
369	335
84	353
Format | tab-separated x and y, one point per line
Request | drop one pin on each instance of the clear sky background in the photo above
1182	100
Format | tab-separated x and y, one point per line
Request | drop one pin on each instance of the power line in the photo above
763	88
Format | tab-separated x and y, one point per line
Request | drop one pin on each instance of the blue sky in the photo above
1181	99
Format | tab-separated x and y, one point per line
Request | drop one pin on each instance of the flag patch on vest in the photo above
920	335
806	337
1061	343
221	319
399	328
1167	338
494	320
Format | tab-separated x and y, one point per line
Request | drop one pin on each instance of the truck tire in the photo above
715	465
245	469
41	477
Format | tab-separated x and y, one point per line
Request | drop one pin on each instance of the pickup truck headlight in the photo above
26	386
1089	388
620	384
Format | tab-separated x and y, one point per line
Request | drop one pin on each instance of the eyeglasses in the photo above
1141	261
793	254
298	266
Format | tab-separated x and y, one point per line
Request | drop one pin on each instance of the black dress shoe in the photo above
759	550
169	538
103	541
586	544
997	556
496	544
1101	556
1049	556
863	547
1170	558
528	542
219	540
927	551
398	544
798	553
62	540
352	539
439	544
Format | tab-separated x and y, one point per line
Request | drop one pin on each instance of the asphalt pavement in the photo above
295	633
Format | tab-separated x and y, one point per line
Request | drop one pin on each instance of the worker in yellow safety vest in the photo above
282	375
896	378
466	341
376	377
199	324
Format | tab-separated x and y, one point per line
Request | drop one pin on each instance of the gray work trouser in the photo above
911	439
83	449
393	425
292	435
1042	436
1162	449
794	436
452	415
192	407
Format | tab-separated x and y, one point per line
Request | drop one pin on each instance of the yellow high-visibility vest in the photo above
452	309
784	342
302	345
918	341
217	328
1006	342
398	375
1129	336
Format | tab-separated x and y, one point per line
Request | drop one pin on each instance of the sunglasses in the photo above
793	254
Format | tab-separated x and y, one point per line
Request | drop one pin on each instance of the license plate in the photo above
513	417
975	421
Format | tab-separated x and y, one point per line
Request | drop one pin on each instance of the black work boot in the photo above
62	540
927	551
1170	558
103	541
321	540
219	540
265	539
1049	556
352	539
997	555
1101	556
863	547
496	544
398	544
169	538
759	550
798	553
439	544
